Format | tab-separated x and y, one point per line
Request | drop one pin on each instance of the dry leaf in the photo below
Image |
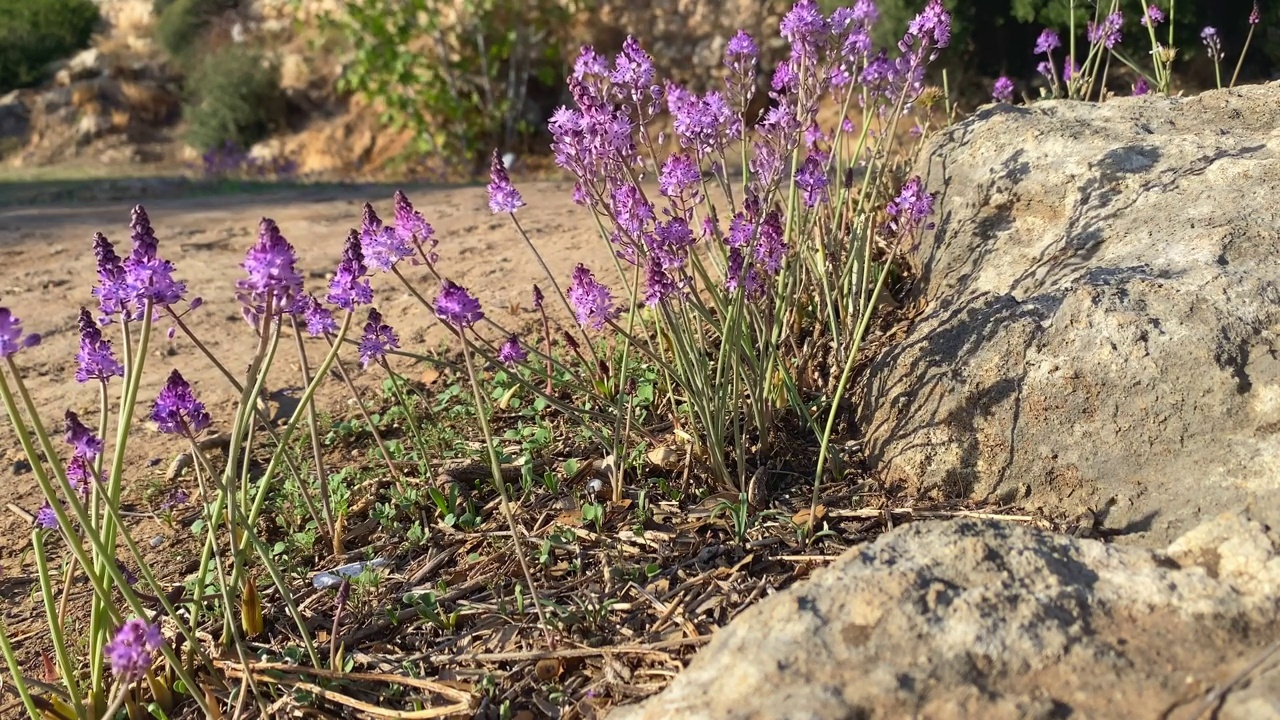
429	376
663	457
802	517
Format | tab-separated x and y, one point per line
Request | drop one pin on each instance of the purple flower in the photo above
784	78
590	64
178	497
670	242
680	176
658	284
176	410
1045	68
1003	90
1106	32
348	288
511	352
1255	15
503	197
149	277
381	247
412	227
79	475
805	29
741	52
81	438
457	307
631	211
1152	17
94	359
11	338
1047	42
933	24
112	290
1069	69
771	247
272	276
812	179
911	207
1140	87
131	650
704	123
1209	36
46	518
537	298
742	275
377	338
317	317
632	69
592	302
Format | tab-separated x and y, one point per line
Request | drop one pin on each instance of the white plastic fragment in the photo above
334	577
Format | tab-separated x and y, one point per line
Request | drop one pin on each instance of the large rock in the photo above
978	619
1101	305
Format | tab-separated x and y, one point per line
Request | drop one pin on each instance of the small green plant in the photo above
181	24
36	33
232	96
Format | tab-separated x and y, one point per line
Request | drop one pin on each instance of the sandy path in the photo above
48	271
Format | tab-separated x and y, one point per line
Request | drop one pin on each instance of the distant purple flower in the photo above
176	498
1255	15
592	302
317	317
94	359
537	298
1045	68
412	227
176	410
457	307
130	651
1047	42
1069	69
386	248
270	265
658	283
149	277
1209	36
81	438
79	475
1003	90
680	176
1140	87
46	518
741	52
11	338
771	248
377	338
742	275
740	231
805	29
812	179
1107	32
766	166
704	123
1153	16
784	77
511	352
503	196
112	289
910	208
349	287
670	242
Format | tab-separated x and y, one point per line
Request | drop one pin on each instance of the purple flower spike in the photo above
79	475
680	176
741	52
537	298
272	275
1047	42
94	359
932	25
1003	90
503	196
414	228
457	307
511	352
81	438
772	246
1152	17
633	69
11	338
911	207
377	339
1141	87
1212	43
349	287
812	179
131	650
317	317
590	64
1107	32
805	29
112	290
176	410
46	518
592	302
382	246
149	277
1255	15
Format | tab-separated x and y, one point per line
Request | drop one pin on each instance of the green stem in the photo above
65	666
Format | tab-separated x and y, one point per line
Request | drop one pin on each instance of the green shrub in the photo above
233	96
182	23
34	33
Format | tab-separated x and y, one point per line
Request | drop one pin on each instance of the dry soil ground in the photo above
48	272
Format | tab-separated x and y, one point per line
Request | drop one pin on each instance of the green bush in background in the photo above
462	76
233	96
34	33
181	24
